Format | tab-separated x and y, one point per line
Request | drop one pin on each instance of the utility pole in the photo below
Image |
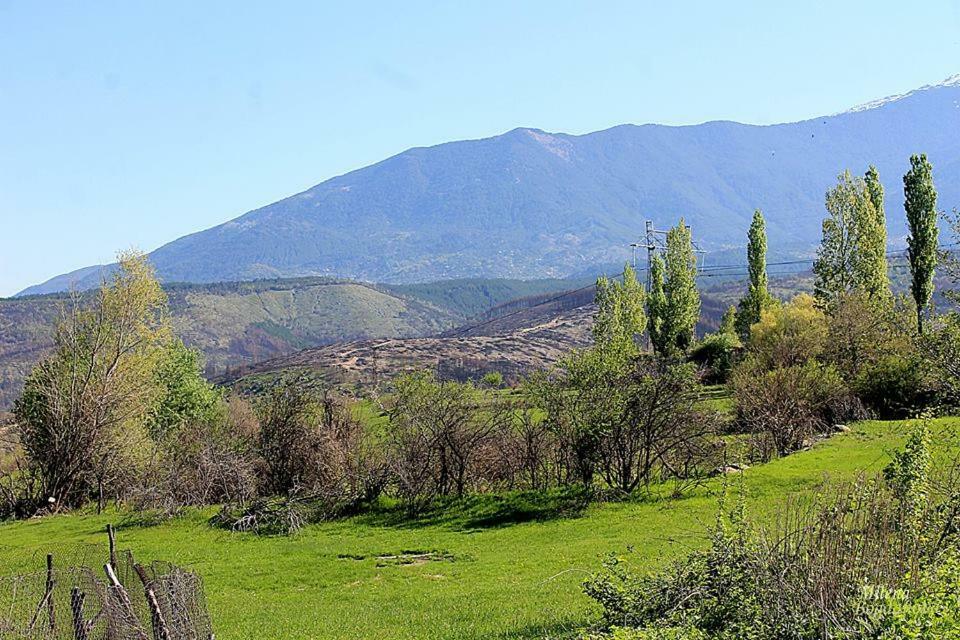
651	247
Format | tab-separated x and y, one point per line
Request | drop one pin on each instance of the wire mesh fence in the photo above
94	593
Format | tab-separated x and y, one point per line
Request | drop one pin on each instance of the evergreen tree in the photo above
758	297
921	207
656	305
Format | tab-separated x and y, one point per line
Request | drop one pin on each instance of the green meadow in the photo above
486	567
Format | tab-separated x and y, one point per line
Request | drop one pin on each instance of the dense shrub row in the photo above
877	558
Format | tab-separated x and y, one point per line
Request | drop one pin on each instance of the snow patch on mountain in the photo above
952	81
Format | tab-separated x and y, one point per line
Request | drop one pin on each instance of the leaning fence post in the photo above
124	599
76	605
159	624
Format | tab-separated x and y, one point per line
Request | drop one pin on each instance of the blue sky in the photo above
129	124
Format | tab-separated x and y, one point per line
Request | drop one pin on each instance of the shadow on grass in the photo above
482	511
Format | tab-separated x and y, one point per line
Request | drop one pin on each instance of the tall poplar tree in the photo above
620	317
656	305
872	276
681	310
758	297
632	305
920	204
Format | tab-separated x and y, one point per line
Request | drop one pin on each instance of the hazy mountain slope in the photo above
533	204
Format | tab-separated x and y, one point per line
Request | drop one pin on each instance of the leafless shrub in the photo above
524	451
352	468
267	516
436	433
786	408
662	434
201	464
822	551
314	444
631	422
21	490
289	440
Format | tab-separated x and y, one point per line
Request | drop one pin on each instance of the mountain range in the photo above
533	204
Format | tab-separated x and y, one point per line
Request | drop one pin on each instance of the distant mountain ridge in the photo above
532	204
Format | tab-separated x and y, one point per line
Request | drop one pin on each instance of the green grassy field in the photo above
494	576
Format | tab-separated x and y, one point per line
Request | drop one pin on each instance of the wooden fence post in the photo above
111	536
124	600
159	624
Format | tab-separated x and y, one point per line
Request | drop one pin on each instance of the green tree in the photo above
920	203
852	253
680	289
873	276
758	297
82	413
184	395
605	319
657	305
632	305
728	321
620	317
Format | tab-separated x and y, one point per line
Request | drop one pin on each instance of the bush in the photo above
201	464
874	559
630	422
714	592
436	435
863	331
289	442
184	396
896	386
649	633
930	610
788	406
526	452
716	354
940	346
493	379
789	334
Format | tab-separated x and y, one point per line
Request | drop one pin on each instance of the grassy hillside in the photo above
488	569
240	323
471	297
250	326
24	336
